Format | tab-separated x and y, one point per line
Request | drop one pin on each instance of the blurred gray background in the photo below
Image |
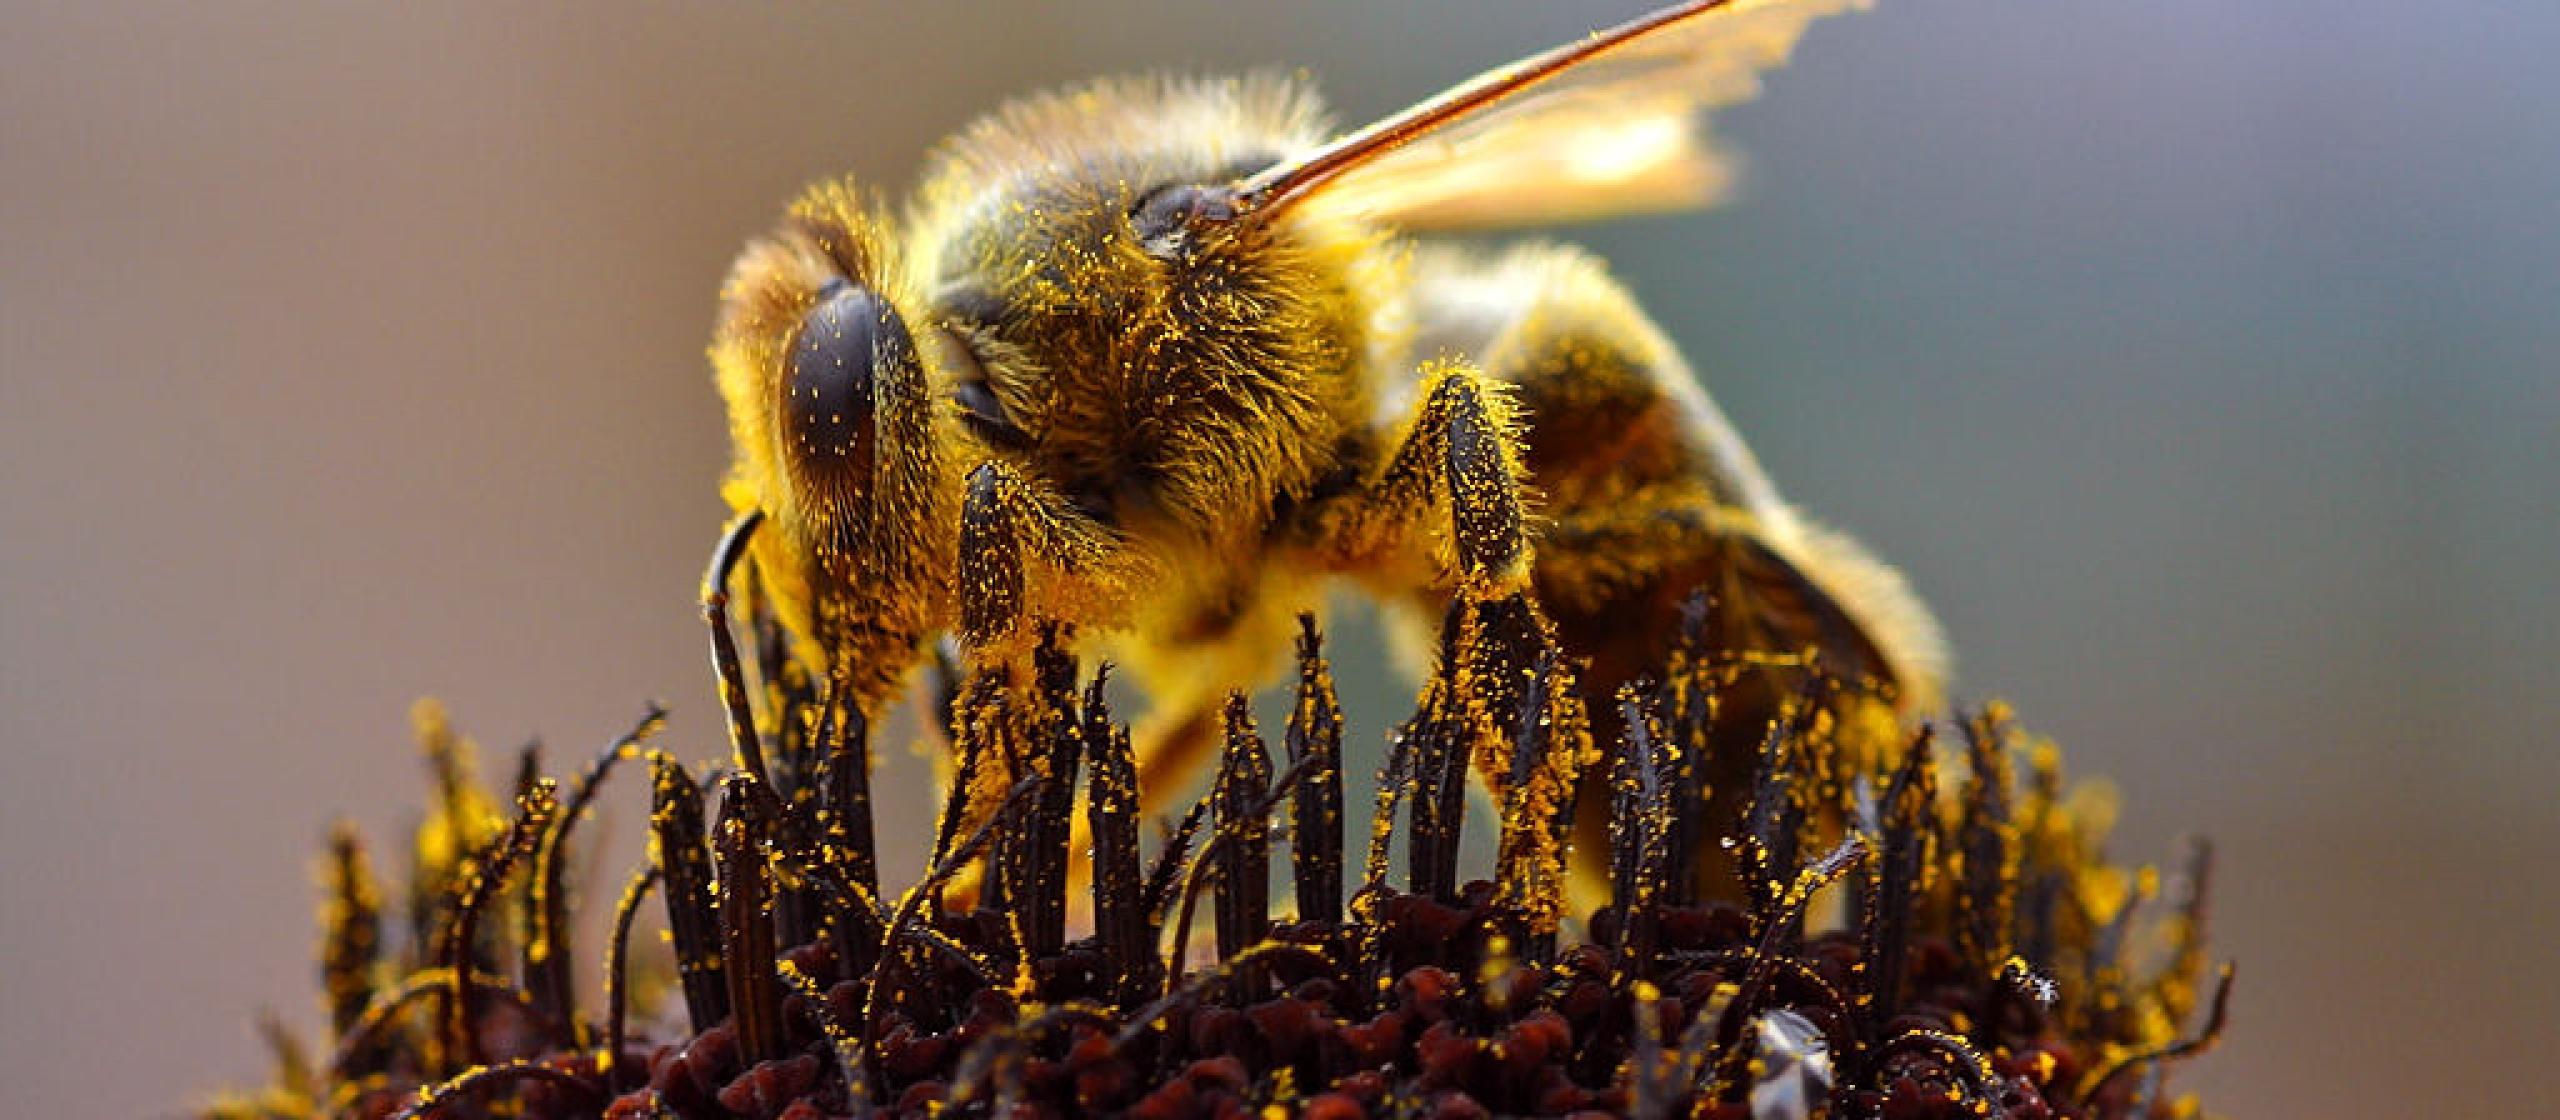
2194	357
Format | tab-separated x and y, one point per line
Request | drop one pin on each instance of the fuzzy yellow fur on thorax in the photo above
1185	401
1197	415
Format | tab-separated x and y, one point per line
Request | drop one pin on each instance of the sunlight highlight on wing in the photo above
1609	125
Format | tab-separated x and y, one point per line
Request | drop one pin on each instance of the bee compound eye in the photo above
831	387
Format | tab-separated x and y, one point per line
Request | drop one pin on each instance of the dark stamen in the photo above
842	1040
1164	878
617	973
546	954
746	919
2217	1016
481	1077
844	781
693	917
1640	827
1905	828
489	873
351	940
1244	865
1120	904
1988	844
1315	816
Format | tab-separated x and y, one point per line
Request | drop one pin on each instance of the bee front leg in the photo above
726	668
1025	554
990	558
1025	557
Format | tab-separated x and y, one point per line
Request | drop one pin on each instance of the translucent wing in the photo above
1609	124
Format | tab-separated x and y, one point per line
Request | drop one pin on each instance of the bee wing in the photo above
1605	125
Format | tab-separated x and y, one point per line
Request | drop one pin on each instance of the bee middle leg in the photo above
1458	453
1445	520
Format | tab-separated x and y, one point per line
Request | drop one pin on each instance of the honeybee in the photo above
1164	359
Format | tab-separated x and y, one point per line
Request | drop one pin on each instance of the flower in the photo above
1920	930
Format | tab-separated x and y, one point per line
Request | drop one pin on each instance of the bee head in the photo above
832	421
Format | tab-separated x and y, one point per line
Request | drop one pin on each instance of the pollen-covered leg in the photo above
990	559
1486	530
1451	493
1647	491
1025	553
1449	513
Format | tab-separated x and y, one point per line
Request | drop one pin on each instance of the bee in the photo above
1166	359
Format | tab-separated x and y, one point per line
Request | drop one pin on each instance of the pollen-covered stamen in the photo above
746	919
1243	867
1548	753
1735	999
1120	908
693	922
1058	753
1315	818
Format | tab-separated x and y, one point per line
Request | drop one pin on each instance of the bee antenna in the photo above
724	645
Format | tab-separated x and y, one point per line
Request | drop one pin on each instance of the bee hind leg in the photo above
1647	495
1486	531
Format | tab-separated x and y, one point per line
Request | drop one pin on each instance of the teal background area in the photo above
2194	358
